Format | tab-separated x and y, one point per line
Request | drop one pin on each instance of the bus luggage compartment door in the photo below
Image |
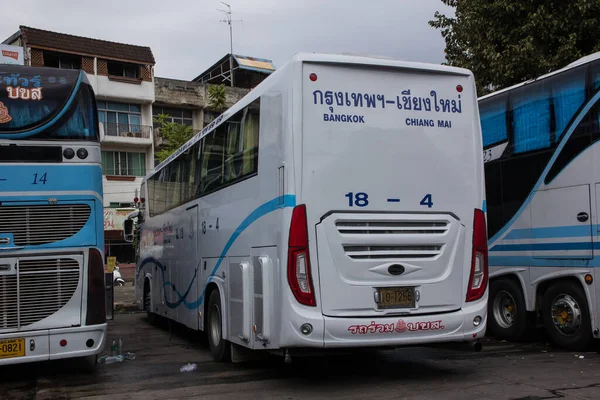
561	223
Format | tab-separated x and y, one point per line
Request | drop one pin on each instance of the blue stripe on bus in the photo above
62	112
484	206
528	261
552	232
277	203
561	145
51	178
543	246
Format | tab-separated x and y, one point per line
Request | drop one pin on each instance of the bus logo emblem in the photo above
4	117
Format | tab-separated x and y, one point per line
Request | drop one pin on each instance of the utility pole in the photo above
228	20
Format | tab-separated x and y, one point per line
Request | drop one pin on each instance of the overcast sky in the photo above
186	36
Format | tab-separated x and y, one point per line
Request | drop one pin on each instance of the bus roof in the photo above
341	59
583	60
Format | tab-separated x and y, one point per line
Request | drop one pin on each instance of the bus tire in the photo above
219	347
506	309
148	303
566	315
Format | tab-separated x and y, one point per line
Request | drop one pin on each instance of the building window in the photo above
123	163
121	69
119	117
61	60
177	115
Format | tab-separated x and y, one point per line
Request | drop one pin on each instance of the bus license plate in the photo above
12	348
397	297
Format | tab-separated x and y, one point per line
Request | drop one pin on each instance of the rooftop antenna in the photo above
228	20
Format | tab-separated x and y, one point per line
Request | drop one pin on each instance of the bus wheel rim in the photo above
504	309
566	314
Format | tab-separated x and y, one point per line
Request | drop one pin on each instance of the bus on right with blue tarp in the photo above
541	152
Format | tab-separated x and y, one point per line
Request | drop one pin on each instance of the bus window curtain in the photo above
233	138
568	95
250	143
531	119
493	121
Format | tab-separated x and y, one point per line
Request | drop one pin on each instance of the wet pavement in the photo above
501	371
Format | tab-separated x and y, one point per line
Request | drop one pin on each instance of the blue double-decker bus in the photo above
52	293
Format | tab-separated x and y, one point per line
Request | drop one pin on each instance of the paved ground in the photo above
124	297
500	371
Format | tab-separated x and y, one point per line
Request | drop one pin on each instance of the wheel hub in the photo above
566	314
504	309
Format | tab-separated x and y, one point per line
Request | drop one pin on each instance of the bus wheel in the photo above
148	304
506	309
219	347
566	315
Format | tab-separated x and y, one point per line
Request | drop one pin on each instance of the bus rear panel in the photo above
391	191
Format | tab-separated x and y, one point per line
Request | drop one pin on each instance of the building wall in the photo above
122	189
139	92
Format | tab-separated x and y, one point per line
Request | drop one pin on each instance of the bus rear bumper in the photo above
46	344
466	325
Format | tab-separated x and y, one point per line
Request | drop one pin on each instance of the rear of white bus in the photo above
387	244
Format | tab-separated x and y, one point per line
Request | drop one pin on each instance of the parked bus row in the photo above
342	203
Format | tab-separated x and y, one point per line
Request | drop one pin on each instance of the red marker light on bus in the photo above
63	343
313	77
459	88
135	200
143	200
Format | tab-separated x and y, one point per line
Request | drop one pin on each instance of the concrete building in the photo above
128	97
122	76
187	103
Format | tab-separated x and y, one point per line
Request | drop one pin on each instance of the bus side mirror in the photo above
128	230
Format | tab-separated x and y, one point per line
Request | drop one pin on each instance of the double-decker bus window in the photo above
568	96
494	120
531	117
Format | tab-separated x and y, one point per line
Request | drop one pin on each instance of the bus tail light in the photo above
479	262
96	297
299	274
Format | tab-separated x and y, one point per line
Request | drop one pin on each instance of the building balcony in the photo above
112	132
122	89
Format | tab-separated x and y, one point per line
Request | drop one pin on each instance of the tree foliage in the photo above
505	42
174	134
217	97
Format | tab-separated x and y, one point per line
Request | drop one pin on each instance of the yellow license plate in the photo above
396	297
12	348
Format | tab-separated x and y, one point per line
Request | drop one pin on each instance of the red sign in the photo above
10	54
398	327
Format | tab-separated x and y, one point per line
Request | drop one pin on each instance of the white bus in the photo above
337	205
543	198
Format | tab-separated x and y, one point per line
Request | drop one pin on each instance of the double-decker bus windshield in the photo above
46	104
